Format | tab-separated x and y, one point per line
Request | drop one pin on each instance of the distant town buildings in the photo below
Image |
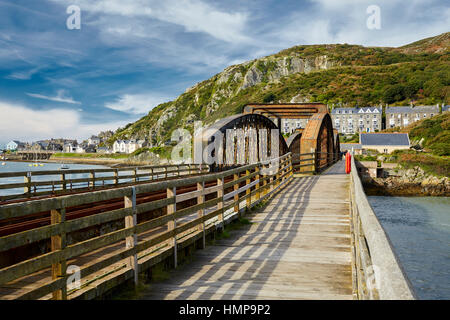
127	146
15	145
352	120
384	142
290	125
404	116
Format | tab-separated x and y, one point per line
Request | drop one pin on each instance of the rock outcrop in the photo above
410	182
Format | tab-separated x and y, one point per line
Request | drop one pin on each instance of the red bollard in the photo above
348	163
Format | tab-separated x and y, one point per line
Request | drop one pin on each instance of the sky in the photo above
128	56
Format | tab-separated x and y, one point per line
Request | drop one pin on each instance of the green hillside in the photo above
338	74
432	134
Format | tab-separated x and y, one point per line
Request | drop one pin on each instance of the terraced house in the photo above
403	116
352	120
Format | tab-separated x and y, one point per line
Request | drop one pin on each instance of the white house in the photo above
15	145
69	148
126	146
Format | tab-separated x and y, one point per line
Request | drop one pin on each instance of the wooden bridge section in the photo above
297	247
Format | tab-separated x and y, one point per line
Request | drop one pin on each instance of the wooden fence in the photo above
311	162
38	183
140	245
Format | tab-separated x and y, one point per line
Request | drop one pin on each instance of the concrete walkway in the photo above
297	247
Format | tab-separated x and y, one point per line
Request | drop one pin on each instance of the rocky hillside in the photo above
408	182
337	74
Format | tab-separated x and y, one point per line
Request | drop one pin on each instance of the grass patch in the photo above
91	155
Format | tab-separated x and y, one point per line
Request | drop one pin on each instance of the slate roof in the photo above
384	139
412	109
355	110
349	146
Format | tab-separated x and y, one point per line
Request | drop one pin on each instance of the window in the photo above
424	115
385	150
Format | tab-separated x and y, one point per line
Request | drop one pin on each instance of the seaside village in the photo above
367	122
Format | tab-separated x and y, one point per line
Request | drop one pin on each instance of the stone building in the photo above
384	142
404	116
290	125
352	120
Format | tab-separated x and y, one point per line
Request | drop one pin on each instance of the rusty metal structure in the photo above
318	137
255	143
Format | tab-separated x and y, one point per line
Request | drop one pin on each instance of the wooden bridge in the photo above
312	234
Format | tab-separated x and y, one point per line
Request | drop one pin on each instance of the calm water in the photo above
25	166
419	229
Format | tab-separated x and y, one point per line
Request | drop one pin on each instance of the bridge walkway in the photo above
297	247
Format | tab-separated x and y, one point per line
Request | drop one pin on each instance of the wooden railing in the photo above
145	243
38	183
379	274
310	162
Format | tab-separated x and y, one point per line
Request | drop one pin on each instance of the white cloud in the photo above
23	75
192	15
21	123
61	96
136	103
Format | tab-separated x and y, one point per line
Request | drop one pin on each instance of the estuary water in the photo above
10	166
419	229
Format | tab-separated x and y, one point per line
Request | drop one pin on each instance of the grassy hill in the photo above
336	74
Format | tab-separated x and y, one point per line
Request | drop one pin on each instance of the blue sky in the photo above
131	55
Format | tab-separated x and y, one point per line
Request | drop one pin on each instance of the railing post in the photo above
248	200
151	174
92	178
258	192
236	196
132	240
171	225
27	180
220	192
116	177
314	160
64	183
58	243
135	175
291	166
200	200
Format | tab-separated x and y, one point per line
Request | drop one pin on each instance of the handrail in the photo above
379	272
66	184
258	184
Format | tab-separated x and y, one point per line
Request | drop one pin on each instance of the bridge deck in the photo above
297	247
